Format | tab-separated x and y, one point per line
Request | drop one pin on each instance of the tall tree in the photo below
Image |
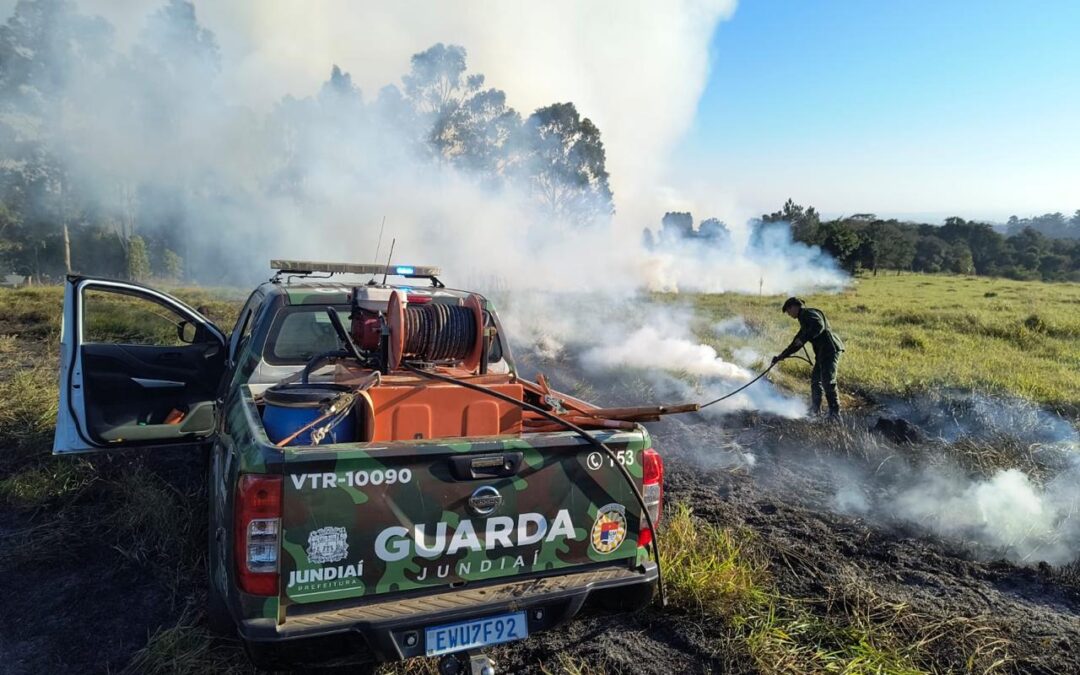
437	78
805	222
47	49
715	232
930	254
841	241
565	164
676	225
476	133
957	258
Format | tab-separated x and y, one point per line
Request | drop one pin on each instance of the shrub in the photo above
913	341
1035	324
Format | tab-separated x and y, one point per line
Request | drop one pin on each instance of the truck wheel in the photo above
218	619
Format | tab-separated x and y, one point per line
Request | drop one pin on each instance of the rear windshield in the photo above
299	333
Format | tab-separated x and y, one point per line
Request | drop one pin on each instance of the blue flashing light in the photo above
404	271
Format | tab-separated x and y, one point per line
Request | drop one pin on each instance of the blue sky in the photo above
913	108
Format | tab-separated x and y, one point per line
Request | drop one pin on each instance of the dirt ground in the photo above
86	604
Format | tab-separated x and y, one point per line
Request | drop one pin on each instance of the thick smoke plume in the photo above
216	122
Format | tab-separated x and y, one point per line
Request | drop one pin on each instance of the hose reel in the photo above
424	330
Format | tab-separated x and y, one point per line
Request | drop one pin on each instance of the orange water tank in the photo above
436	410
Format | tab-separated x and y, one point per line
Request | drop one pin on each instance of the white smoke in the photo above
747	357
733	325
609	337
215	124
647	347
770	263
637	69
1007	512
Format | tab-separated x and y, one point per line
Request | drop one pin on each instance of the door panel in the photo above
138	368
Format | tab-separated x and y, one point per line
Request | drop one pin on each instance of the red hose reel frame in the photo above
367	330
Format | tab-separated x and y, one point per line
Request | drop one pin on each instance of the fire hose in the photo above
759	376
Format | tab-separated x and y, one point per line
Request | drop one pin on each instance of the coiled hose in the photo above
438	332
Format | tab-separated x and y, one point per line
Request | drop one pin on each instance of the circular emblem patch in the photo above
328	544
609	529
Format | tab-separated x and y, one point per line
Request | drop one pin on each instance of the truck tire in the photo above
218	619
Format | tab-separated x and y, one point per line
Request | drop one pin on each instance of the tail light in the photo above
652	490
257	534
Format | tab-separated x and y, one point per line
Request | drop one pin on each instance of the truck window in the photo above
118	318
301	332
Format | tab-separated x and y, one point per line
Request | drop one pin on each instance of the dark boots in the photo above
823	381
834	402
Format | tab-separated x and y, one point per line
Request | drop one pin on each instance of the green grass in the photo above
915	333
709	569
27	413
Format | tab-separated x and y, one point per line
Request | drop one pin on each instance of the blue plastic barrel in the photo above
290	407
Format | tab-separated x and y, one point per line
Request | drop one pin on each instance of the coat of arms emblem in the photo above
609	529
327	545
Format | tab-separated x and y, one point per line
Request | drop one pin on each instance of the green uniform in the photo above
814	328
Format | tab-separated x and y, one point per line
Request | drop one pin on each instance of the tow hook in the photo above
466	663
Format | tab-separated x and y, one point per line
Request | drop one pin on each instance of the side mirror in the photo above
186	332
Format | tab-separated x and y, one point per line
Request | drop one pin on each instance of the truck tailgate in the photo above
364	520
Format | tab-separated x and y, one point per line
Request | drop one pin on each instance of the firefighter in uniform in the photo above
814	328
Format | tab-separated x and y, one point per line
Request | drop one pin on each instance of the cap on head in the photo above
798	302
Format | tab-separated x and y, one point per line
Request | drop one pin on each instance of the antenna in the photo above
388	259
378	245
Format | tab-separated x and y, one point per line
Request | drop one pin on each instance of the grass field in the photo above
904	335
912	333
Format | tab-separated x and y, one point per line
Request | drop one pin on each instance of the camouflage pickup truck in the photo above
383	484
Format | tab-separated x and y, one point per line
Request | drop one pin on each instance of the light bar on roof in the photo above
310	266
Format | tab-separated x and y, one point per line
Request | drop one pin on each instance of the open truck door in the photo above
138	368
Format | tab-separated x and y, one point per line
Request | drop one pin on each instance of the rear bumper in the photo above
394	629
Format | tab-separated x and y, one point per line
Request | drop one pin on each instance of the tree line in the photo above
1041	248
104	165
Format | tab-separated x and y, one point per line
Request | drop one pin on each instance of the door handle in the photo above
169	356
474	467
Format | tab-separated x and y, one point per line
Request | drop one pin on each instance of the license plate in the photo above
493	630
